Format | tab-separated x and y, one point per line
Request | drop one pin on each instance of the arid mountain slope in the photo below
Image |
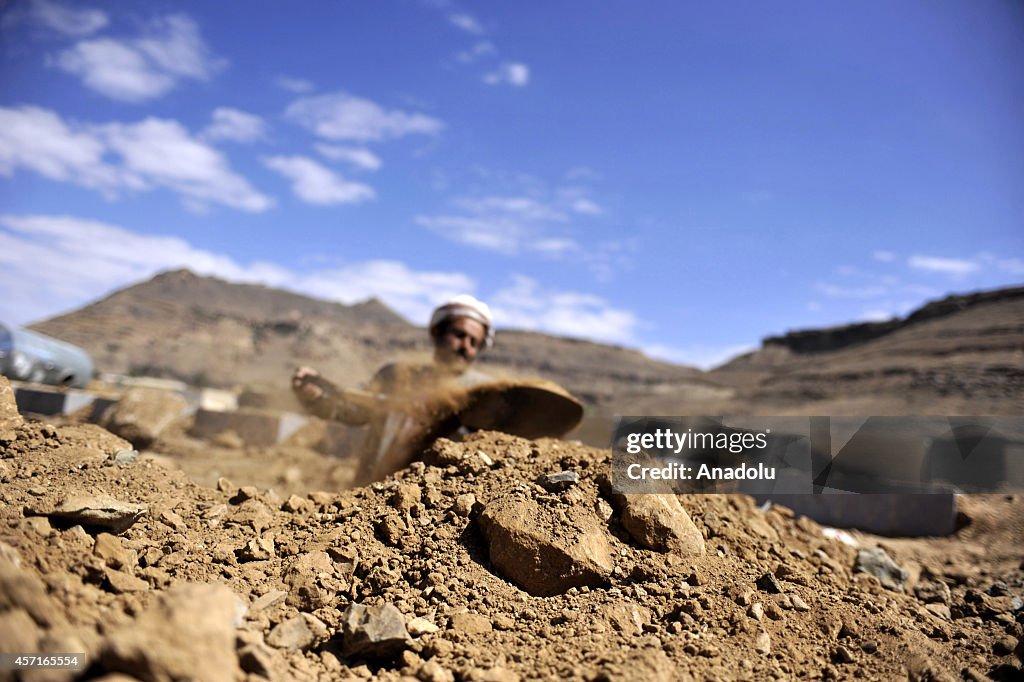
963	353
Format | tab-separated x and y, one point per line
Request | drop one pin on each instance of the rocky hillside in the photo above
962	354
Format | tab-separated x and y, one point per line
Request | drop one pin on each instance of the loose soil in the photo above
772	597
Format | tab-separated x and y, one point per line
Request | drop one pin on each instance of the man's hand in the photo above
305	386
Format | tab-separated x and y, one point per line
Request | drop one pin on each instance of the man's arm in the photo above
325	400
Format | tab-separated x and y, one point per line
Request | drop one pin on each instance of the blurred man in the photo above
394	400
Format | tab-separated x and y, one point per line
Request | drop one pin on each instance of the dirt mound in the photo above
416	576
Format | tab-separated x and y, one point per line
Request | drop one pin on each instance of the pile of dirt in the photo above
494	559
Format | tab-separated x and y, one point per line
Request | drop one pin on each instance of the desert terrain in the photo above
494	558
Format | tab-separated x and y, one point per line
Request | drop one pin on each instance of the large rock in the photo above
142	414
373	631
659	522
535	547
97	511
10	418
188	634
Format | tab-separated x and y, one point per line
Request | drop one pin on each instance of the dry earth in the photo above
475	564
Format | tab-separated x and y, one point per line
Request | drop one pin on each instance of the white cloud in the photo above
315	184
70	21
162	152
834	291
412	293
523	208
138	69
884	256
466	22
55	263
948	266
360	157
151	153
340	116
235	125
480	49
503	224
299	86
527	305
586	207
537	220
37	139
511	73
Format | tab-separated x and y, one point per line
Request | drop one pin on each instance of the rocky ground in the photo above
494	559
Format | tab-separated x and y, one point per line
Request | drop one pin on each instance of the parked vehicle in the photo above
35	357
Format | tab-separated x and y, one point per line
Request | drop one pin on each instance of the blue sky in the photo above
680	177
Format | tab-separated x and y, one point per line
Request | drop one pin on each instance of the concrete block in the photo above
894	514
255	428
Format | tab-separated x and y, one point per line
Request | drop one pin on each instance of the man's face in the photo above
460	342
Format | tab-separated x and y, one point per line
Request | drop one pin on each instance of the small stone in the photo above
114	554
659	522
40	525
1004	646
373	631
557	482
798	603
267	600
229	439
121	583
999	589
470	623
940	610
257	659
842	655
875	561
935	592
406	496
464	504
769	583
756	611
224	485
171	519
246	492
418	627
300	632
431	671
257	549
763	643
124	456
294	504
503	622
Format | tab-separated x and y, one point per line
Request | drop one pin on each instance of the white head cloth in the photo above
465	306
